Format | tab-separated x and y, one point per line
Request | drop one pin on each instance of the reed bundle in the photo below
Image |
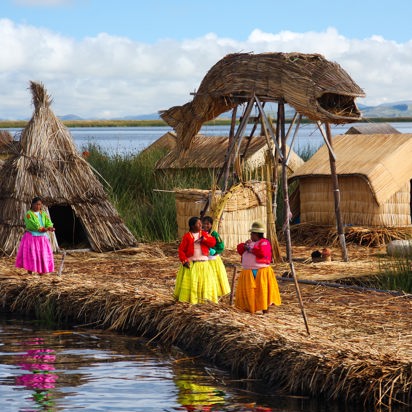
359	350
49	166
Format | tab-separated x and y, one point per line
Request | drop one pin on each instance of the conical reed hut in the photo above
49	166
375	179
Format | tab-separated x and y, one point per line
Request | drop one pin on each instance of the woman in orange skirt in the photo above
257	288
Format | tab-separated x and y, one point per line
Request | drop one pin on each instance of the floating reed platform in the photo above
360	343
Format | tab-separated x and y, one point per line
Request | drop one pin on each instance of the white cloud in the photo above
109	76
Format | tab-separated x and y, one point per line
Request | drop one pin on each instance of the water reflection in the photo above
66	370
41	379
194	396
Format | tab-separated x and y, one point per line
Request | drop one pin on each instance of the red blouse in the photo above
187	245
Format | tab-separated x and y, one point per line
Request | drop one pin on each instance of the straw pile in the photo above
311	234
49	166
359	350
314	86
244	204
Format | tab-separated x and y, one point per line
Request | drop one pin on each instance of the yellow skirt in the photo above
197	284
218	267
257	294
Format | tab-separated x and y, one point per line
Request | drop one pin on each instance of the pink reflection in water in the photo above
41	380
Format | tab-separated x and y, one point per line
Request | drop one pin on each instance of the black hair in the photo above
260	235
192	221
207	219
35	200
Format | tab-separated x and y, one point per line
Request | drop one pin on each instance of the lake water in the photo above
77	369
130	140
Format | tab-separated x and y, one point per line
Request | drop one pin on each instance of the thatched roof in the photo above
166	142
208	152
49	166
314	86
372	128
383	160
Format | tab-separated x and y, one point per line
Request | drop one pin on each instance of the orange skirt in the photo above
257	294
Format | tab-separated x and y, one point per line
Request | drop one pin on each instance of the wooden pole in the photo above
238	136
286	225
336	195
230	142
60	271
232	286
251	134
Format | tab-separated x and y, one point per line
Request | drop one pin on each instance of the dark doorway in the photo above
70	233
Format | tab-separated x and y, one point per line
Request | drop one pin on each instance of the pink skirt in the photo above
35	254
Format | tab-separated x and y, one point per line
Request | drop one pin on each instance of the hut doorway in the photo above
70	232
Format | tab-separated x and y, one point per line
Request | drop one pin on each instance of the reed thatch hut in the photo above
244	204
375	178
166	143
208	153
49	166
372	128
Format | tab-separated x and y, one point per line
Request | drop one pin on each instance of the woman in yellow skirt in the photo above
214	257
257	288
195	280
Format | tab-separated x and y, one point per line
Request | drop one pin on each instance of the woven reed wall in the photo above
358	206
244	207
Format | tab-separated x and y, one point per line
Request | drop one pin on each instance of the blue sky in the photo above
113	58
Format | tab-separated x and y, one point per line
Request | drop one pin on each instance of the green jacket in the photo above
33	224
219	242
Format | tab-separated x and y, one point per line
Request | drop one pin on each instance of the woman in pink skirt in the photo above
35	253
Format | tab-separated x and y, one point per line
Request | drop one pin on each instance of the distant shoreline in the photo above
11	124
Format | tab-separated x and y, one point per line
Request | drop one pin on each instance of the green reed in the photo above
395	274
143	196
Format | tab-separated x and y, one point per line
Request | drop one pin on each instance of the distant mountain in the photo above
151	116
393	109
70	117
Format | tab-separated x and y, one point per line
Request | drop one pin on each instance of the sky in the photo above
116	58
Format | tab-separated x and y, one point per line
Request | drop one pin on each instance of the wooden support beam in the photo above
336	195
286	224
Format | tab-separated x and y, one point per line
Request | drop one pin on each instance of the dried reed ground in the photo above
360	345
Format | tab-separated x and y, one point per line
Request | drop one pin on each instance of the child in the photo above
257	288
214	257
195	281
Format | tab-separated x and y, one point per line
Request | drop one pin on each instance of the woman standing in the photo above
195	281
257	288
35	253
214	257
